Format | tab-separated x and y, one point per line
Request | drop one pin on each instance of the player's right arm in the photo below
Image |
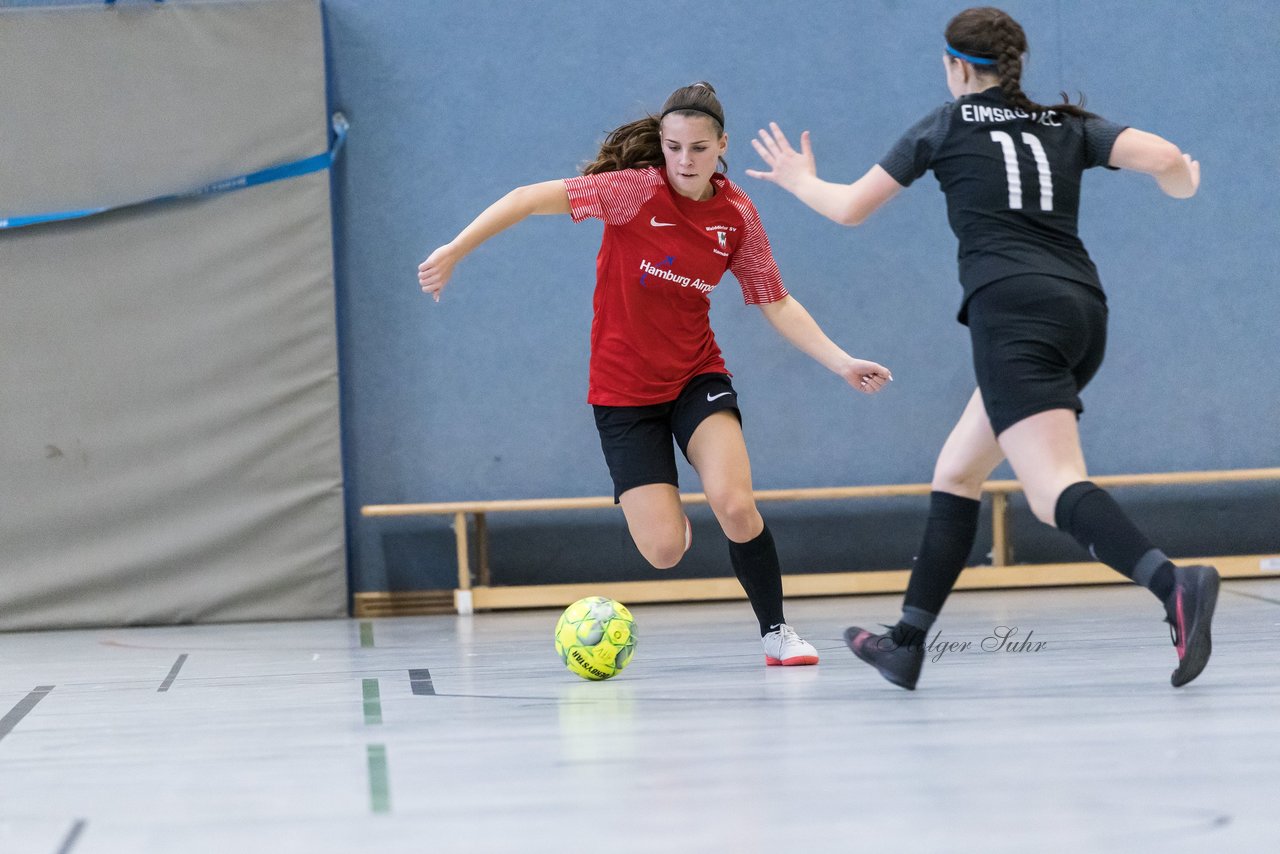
548	197
1176	173
797	173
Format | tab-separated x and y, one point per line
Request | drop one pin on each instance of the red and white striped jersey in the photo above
661	256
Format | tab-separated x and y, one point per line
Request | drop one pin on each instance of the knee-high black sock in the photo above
1092	516
755	562
948	539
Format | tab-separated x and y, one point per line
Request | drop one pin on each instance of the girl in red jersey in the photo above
1010	170
673	226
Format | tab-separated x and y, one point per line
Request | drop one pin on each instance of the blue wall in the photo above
483	395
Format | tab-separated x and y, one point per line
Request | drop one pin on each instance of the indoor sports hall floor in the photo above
465	734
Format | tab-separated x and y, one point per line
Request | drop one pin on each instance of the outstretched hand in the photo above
1193	169
434	273
787	167
866	377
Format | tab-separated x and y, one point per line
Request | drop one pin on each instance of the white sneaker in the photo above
783	646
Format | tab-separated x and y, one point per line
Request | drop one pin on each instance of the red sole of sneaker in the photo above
791	662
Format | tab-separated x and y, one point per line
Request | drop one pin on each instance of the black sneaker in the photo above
1190	609
898	663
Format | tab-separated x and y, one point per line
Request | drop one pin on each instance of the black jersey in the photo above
1012	183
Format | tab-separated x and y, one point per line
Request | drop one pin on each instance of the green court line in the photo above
379	782
372	702
366	634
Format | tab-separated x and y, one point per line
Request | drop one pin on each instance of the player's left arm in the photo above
797	173
1177	174
795	324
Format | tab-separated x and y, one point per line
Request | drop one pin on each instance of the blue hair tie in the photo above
976	60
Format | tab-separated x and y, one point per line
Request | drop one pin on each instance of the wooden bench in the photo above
476	592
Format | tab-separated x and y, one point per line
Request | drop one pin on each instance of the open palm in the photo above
787	167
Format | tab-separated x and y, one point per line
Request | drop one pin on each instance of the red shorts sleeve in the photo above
752	263
615	197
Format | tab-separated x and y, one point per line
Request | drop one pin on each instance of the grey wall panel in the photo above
169	429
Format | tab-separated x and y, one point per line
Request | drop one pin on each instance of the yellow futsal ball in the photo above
595	637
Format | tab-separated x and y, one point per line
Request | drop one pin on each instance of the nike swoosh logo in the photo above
718	396
653	221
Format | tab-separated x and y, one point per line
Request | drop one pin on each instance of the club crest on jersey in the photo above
722	238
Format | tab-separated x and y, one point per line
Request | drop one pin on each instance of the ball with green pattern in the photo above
595	637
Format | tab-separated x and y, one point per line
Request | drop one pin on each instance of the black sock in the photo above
1092	516
755	562
948	539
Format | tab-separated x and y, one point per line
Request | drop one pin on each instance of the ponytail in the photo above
634	145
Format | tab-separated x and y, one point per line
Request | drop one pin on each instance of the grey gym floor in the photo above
462	734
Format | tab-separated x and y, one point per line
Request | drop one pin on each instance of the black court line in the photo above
18	712
420	682
1251	596
173	673
72	836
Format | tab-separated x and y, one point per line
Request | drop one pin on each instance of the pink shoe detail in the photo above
784	648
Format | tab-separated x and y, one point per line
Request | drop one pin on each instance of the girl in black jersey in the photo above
1010	169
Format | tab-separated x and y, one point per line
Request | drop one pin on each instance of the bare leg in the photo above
719	455
1045	453
1044	450
970	453
656	521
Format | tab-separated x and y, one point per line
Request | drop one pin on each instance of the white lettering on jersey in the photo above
984	113
674	277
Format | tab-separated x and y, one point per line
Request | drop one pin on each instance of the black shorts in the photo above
1037	341
637	439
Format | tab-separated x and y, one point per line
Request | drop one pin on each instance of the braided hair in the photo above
986	32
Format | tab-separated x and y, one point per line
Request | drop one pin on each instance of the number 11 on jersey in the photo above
1014	174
